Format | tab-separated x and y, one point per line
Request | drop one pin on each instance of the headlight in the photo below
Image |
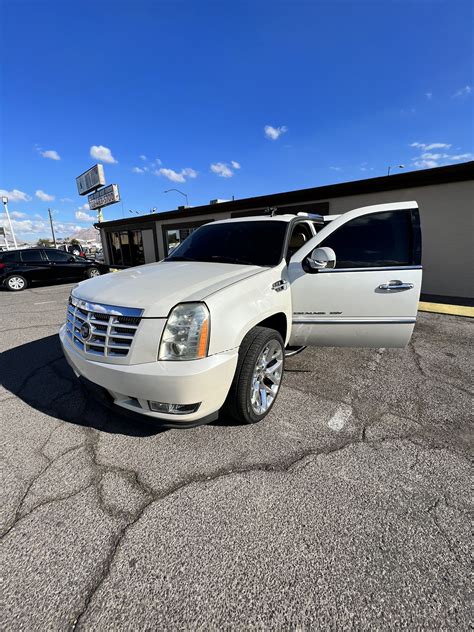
186	333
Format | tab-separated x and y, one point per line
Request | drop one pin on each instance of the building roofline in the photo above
426	177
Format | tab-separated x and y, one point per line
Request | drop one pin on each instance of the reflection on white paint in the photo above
340	418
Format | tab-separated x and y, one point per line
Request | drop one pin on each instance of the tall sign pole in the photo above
52	227
5	206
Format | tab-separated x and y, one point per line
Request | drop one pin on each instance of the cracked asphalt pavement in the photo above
348	507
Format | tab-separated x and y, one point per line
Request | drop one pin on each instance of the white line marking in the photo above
44	302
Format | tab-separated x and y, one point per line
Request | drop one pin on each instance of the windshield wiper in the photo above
231	260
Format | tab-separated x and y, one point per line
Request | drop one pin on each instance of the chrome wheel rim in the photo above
266	377
94	272
16	283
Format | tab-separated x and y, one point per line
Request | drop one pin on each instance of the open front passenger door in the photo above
370	297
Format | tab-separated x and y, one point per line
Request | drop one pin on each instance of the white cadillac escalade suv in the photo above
208	328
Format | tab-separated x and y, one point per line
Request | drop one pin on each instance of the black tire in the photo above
17	280
92	272
238	404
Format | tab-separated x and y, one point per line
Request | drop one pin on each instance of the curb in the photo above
452	310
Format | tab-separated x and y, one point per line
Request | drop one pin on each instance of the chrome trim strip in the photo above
381	269
101	308
349	321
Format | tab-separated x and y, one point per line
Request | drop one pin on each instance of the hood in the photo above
157	287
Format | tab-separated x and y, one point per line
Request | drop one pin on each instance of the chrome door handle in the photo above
395	286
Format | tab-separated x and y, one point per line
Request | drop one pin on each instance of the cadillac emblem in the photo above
85	331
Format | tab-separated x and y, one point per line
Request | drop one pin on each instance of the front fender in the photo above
235	310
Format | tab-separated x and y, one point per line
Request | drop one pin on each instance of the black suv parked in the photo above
20	268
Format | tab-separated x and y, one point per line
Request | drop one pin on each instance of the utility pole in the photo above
52	227
5	206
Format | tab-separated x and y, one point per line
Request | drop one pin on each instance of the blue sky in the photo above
224	98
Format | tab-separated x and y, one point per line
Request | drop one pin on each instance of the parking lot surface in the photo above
347	507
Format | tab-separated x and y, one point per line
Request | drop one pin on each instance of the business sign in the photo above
91	179
104	197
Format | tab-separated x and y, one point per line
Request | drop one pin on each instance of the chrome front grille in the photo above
104	330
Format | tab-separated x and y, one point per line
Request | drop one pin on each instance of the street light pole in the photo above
178	191
52	227
398	166
5	206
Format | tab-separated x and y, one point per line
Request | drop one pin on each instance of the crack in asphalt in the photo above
284	466
34	327
150	497
432	513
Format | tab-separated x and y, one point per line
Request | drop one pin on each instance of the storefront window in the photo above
126	248
175	236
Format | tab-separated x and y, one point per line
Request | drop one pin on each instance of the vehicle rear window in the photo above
58	256
252	243
375	240
31	256
5	257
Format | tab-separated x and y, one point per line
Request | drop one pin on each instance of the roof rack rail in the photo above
315	217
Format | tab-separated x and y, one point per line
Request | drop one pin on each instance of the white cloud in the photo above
222	170
66	200
426	164
189	173
172	175
273	133
45	197
18	215
429	95
429	146
51	154
467	156
176	176
463	92
138	170
142	157
429	160
103	154
84	207
84	217
15	195
31	228
335	168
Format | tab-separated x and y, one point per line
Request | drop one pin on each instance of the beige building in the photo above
445	196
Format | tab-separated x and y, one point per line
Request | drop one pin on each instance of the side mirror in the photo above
72	258
322	258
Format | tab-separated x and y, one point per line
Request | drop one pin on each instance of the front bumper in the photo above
132	386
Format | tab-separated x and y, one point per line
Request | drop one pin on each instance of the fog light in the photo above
173	409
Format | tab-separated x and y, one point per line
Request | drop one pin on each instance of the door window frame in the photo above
415	247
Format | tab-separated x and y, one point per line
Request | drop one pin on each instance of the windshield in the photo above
251	243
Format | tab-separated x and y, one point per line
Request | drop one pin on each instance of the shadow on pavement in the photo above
38	374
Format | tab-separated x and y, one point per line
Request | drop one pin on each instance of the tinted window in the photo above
58	256
5	257
253	243
377	240
31	256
